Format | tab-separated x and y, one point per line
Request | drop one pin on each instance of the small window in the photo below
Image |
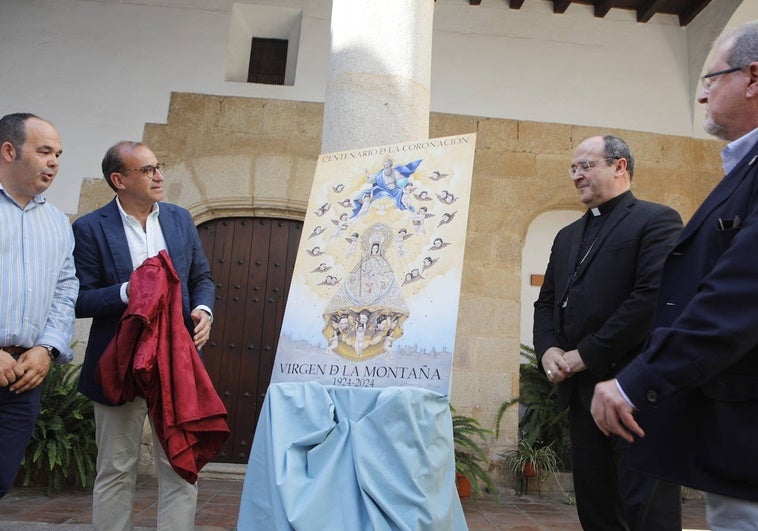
263	44
268	61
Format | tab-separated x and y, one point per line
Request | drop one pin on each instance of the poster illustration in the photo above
375	289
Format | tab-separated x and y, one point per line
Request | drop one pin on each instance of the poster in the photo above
375	289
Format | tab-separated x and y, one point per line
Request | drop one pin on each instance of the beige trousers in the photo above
118	433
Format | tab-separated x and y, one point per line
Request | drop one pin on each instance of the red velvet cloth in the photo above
152	355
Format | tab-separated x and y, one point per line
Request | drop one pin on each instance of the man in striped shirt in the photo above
38	284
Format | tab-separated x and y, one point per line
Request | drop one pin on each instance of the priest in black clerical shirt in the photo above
592	315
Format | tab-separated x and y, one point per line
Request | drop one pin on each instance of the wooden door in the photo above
251	261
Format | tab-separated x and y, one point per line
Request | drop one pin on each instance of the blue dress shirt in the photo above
38	284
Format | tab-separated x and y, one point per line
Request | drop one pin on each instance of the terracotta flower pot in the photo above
529	470
463	485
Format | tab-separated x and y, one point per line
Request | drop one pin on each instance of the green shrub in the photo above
541	423
471	460
62	449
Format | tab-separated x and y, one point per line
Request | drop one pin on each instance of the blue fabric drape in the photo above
334	458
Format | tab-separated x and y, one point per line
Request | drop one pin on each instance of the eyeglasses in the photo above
707	79
586	165
149	170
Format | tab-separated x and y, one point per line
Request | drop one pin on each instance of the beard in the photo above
717	130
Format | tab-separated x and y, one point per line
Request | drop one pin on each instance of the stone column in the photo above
379	73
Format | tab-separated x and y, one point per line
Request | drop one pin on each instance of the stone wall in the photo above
233	156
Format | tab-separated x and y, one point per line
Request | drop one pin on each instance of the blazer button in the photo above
652	396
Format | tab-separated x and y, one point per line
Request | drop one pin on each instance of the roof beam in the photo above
602	7
560	6
645	12
689	13
647	9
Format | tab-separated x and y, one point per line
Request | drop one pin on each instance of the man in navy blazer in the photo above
591	318
694	388
110	243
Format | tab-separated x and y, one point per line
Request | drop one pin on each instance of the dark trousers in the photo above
18	414
610	496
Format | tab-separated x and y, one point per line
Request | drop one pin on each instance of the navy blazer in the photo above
103	264
696	382
611	300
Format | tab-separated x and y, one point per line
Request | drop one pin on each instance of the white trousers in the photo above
118	433
730	514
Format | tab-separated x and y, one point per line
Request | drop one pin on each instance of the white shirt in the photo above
144	244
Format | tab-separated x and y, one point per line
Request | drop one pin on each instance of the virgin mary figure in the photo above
368	307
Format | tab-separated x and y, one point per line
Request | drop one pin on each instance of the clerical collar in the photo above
607	207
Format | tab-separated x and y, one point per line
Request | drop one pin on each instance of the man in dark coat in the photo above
591	317
694	388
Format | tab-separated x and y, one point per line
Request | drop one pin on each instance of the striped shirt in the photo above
38	284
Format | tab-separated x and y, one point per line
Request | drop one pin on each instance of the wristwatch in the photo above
51	351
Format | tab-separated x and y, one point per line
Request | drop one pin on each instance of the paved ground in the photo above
218	505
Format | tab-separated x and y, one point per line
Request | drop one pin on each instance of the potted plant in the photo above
471	461
540	418
532	460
